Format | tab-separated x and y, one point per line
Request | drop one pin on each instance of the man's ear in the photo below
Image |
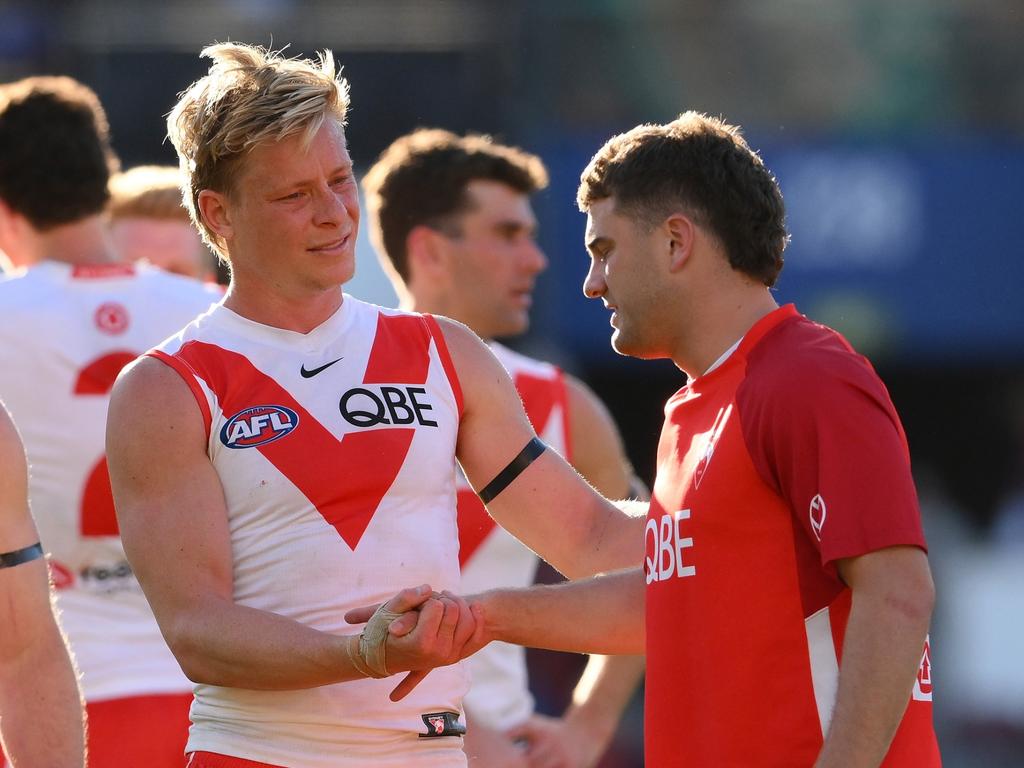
425	251
681	233
215	211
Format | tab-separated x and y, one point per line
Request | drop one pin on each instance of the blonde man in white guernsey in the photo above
290	455
451	219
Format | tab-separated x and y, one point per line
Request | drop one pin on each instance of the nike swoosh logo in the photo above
314	371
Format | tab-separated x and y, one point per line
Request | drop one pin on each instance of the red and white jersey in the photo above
781	460
336	453
491	557
65	334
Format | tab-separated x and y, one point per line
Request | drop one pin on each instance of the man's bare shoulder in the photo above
474	361
150	392
459	338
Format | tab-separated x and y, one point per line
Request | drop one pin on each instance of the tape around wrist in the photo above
369	657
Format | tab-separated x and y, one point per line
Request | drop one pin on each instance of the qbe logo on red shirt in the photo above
258	425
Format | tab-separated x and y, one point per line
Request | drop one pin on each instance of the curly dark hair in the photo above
705	166
55	154
421	179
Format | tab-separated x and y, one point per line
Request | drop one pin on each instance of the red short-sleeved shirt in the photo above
785	458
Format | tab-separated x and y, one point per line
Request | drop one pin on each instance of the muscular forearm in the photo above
221	643
602	614
41	706
882	650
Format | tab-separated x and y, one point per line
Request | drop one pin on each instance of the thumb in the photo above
410	598
404	624
361	615
404	601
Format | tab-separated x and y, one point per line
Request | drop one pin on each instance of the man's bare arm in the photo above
548	507
600	614
174	524
41	707
893	596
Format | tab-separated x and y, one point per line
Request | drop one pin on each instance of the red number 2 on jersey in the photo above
96	516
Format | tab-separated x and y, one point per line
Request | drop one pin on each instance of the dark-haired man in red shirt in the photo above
785	596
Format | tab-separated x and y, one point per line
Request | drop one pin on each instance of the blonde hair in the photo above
147	192
251	95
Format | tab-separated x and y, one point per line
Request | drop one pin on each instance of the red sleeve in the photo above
823	433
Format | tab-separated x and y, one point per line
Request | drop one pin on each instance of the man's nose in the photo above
594	285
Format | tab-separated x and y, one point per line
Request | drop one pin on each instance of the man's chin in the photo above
632	347
621	343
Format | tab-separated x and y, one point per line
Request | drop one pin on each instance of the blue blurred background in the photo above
895	127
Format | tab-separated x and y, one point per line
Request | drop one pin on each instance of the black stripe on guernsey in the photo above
19	556
525	458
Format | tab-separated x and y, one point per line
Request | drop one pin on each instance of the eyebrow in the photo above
598	242
278	186
515	225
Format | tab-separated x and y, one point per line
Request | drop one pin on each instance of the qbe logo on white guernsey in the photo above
665	548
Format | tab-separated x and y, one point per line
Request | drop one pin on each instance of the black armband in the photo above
19	556
523	459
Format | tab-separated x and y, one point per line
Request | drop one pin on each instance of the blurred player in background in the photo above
148	222
452	219
41	713
291	454
67	326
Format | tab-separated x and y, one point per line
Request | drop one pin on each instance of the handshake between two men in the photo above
419	630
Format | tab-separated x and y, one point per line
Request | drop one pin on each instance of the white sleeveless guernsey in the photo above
491	557
336	452
65	333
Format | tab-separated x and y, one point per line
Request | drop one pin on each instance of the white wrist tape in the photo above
370	659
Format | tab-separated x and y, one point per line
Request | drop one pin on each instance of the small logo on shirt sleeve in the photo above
817	515
442	724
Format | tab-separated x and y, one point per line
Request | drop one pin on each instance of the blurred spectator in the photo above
148	221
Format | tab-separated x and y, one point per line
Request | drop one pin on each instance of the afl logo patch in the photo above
258	425
817	514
